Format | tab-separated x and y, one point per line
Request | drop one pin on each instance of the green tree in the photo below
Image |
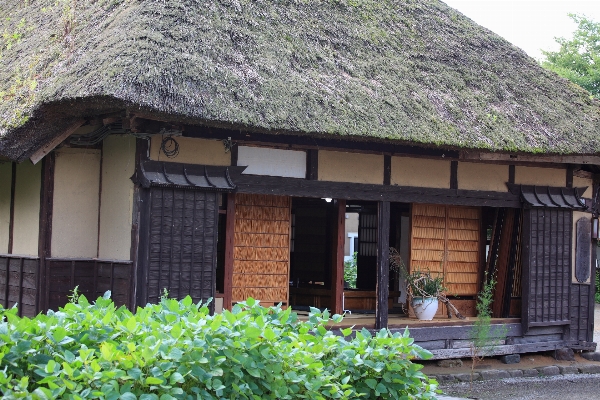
578	59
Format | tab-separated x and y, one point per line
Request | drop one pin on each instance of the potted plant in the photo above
423	289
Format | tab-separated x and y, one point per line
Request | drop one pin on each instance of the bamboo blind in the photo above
445	239
261	255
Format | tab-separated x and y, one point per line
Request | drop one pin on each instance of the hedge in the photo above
177	350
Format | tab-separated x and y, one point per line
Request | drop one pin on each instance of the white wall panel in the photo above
272	162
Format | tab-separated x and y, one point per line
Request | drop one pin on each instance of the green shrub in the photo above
175	349
350	271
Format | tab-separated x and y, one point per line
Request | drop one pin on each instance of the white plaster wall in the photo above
272	162
338	166
478	176
583	182
192	151
26	228
540	176
75	203
118	165
420	172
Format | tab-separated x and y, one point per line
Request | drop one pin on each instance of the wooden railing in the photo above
93	277
19	276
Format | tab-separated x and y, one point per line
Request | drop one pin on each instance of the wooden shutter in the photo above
546	266
445	239
261	255
182	246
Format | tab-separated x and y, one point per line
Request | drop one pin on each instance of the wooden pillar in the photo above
45	230
337	257
383	271
229	243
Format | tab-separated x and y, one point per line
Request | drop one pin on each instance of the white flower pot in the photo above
425	307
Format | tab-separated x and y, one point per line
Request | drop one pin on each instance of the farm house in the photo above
217	149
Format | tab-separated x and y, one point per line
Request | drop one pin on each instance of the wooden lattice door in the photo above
261	253
182	243
446	240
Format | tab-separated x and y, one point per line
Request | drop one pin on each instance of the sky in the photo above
529	24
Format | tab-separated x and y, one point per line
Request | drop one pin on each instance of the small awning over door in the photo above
185	176
549	197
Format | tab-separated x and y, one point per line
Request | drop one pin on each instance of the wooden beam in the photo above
319	142
45	231
337	257
312	164
370	192
387	169
229	244
569	182
511	173
141	230
51	145
454	175
516	158
383	268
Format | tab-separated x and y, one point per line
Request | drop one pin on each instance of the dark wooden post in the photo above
229	243
337	258
45	231
383	271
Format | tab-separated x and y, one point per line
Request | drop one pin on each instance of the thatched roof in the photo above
412	71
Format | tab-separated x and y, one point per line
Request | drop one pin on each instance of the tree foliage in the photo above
578	59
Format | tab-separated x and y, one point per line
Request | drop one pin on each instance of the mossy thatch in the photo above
414	71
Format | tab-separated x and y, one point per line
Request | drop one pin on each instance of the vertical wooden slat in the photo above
72	273
229	247
112	277
234	154
312	164
454	175
172	241
193	253
383	270
45	230
6	282
214	257
181	295
511	173
95	290
203	269
526	270
589	332
337	258
570	169
21	287
143	258
162	234
387	169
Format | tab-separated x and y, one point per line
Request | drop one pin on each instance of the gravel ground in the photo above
560	387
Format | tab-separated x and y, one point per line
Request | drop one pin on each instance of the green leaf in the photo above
151	380
50	366
372	383
131	324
